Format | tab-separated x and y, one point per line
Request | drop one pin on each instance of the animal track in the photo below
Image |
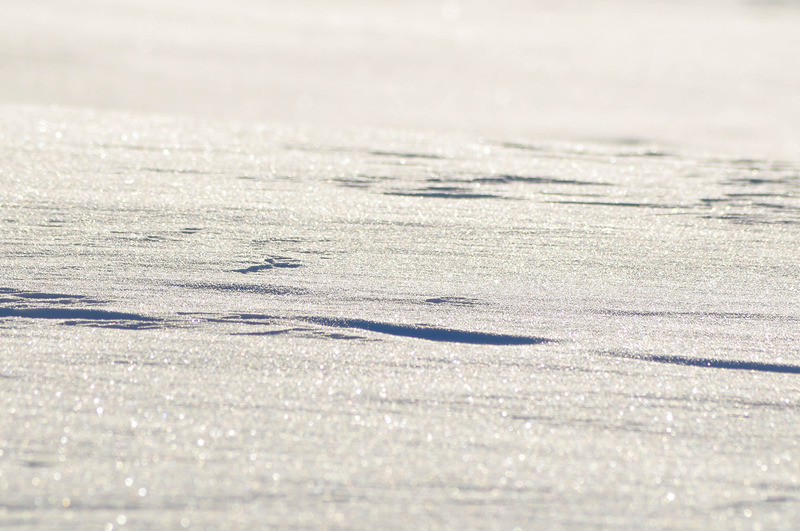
271	263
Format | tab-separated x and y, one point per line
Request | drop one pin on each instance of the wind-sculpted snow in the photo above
96	317
71	313
712	363
430	333
66	308
239	325
527	265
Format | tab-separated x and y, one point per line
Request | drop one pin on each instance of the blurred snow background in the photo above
713	75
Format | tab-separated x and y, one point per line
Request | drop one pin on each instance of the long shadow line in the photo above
430	333
137	321
711	363
73	313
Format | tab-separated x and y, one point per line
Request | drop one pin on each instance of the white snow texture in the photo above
408	265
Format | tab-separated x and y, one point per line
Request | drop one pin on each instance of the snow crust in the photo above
211	319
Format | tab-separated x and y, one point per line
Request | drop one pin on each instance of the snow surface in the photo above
241	290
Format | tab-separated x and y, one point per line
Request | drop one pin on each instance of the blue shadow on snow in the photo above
430	333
